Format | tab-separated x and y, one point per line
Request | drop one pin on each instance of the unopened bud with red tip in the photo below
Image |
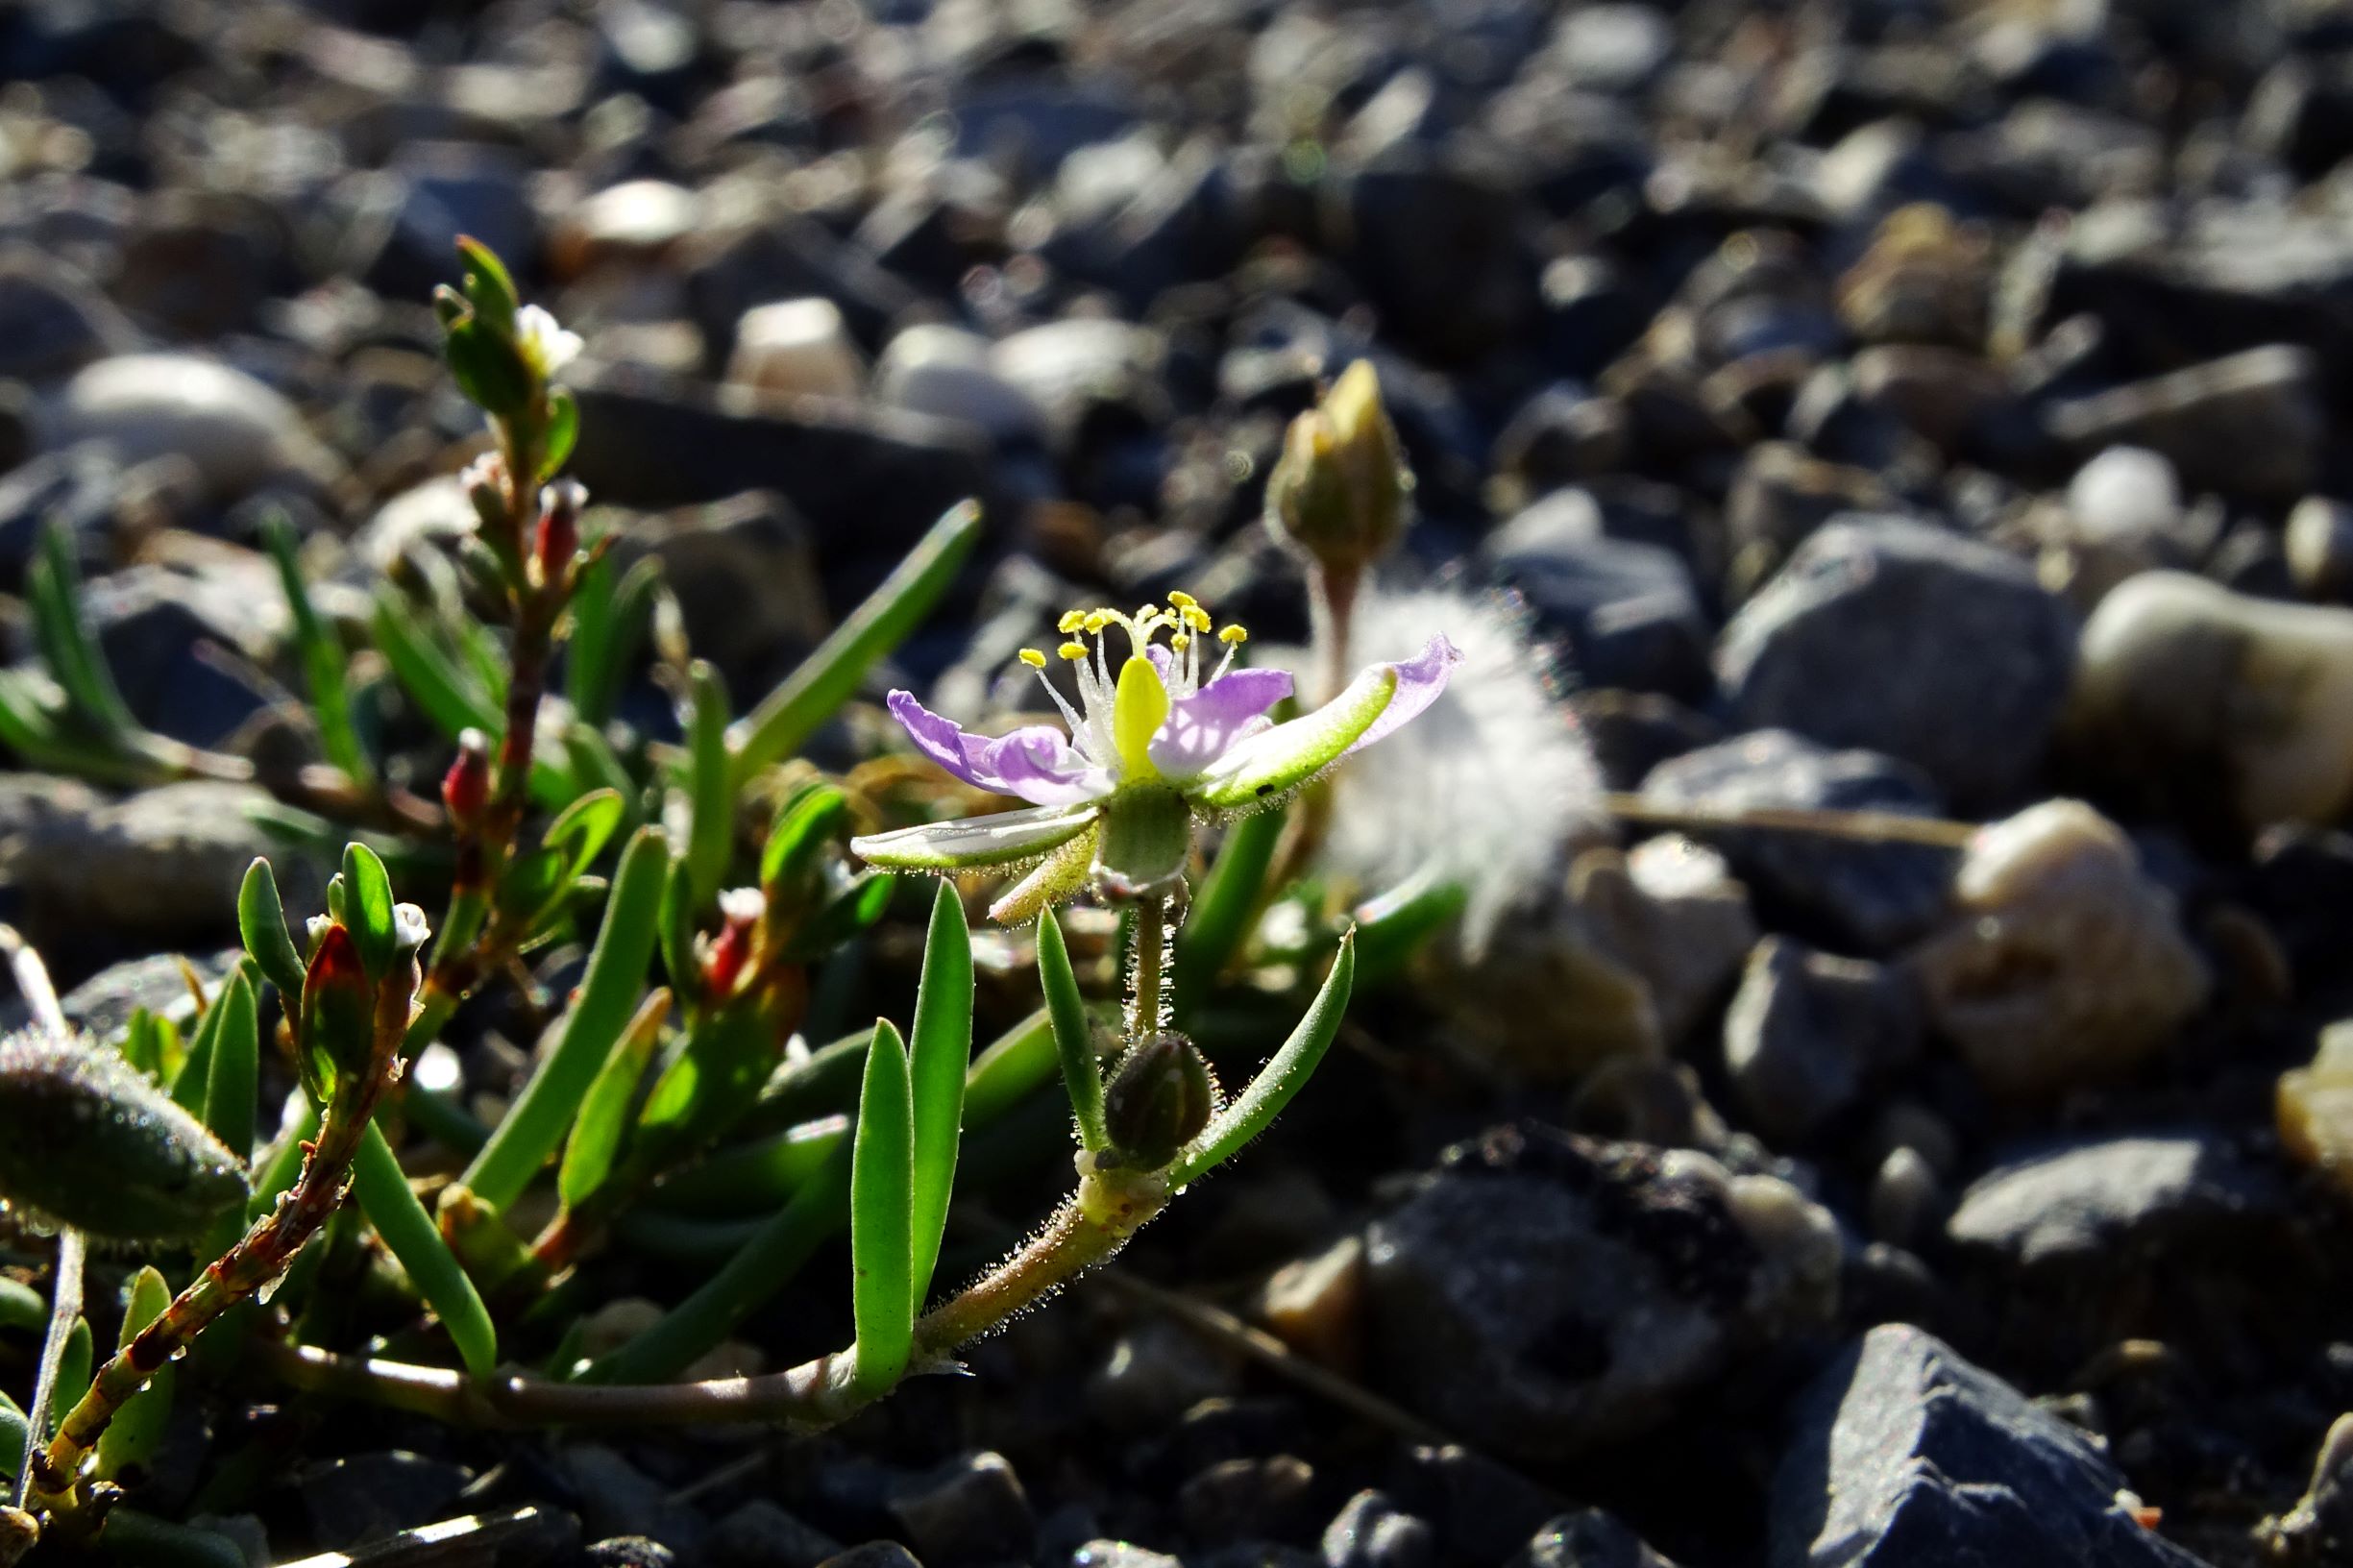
724	961
1338	494
465	789
338	1012
1159	1098
560	529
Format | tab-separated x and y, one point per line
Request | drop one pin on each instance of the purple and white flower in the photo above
1153	747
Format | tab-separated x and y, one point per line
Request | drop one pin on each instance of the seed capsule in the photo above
92	1144
1159	1098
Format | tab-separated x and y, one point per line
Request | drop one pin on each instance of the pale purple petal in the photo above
1161	660
1035	763
1419	682
1202	728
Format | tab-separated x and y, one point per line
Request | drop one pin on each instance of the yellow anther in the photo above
1196	619
1070	621
1234	634
1182	600
1073	652
1033	658
1181	640
1096	622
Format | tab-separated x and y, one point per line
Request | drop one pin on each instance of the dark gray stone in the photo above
1587	1539
1806	1030
51	322
1628	610
1873	897
2097	1202
158	867
627	1552
617	1499
1371	1532
1481	1511
760	1534
180	648
2253	424
1243	1499
1899	637
1905	1455
1543	1293
971	1510
1120	1555
362	1496
873	1555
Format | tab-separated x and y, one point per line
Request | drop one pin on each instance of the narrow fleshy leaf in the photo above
795	853
942	1052
710	799
790	715
1222	911
1392	928
410	1236
130	1439
976	843
324	666
1270	766
262	920
195	1079
609	618
232	1078
562	433
847	913
604	1114
489	288
609	992
882	1173
53	587
1073	1034
367	898
1251	1112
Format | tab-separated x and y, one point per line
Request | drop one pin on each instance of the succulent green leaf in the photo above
454	700
367	899
1224	908
589	1153
609	618
710	796
1010	838
262	920
94	1145
942	1053
410	1236
53	585
790	715
488	285
1392	928
609	992
882	1173
489	368
129	1444
195	1077
1073	1036
14	1434
859	904
1251	1112
231	1080
793	858
676	932
585	827
323	665
1267	767
562	433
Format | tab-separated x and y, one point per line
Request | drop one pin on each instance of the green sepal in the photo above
367	899
1010	838
1270	766
489	368
1145	845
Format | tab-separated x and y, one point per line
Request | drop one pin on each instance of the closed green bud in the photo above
92	1144
1338	494
1159	1098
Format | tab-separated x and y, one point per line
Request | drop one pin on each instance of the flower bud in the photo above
484	481
559	528
92	1144
722	962
1159	1098
338	1012
1338	493
465	789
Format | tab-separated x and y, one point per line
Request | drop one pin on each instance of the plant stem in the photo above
261	1257
1331	610
1108	1209
65	1312
1866	827
1147	1004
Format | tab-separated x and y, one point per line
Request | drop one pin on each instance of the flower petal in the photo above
1010	838
1204	726
1268	766
1035	763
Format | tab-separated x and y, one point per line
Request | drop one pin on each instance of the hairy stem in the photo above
1108	1209
1147	1002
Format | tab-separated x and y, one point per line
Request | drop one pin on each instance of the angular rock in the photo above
1587	1539
2252	423
1902	1455
760	1534
1807	1030
2095	1205
1628	611
797	346
1371	1532
237	432
1870	896
1899	637
1542	1294
971	1510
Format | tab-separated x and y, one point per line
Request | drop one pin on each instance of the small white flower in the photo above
741	906
547	346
